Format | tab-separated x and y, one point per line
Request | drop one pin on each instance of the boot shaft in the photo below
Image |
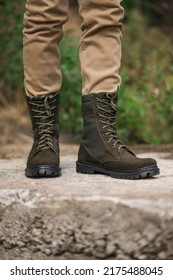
99	114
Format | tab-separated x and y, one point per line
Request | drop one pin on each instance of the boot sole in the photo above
42	171
141	173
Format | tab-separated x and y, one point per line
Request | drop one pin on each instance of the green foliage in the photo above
11	70
159	12
70	112
146	99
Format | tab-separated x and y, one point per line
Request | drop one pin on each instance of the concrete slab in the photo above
80	216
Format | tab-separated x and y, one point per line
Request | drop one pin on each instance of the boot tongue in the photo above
47	106
114	101
43	114
112	109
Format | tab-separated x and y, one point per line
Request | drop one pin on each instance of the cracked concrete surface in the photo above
81	216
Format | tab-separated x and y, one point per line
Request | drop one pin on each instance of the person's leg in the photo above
100	45
43	21
100	53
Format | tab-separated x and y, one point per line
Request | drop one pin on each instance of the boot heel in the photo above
84	168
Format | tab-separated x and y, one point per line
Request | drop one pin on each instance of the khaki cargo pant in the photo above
100	45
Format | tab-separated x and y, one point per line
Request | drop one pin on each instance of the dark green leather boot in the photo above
43	160
100	150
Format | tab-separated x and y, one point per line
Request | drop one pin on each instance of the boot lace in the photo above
109	109
44	121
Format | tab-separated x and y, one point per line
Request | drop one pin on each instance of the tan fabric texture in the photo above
100	45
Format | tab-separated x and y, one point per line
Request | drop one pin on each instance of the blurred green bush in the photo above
146	94
159	12
146	99
11	67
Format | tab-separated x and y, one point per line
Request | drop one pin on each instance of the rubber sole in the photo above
42	171
141	173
